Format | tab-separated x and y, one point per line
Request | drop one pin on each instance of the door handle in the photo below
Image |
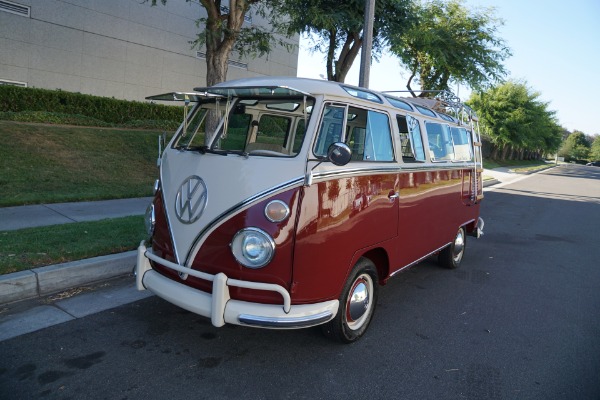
393	196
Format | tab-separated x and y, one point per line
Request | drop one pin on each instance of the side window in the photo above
271	133
331	128
367	133
440	142
370	136
417	139
299	136
273	129
237	129
462	144
410	139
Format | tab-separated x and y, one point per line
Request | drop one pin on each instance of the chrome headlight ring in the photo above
253	247
150	219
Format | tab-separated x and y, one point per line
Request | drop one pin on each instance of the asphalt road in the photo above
519	320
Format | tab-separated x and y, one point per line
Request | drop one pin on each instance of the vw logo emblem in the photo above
191	199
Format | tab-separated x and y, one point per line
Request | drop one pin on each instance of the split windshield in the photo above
248	126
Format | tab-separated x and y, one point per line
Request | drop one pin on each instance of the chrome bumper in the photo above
479	230
219	307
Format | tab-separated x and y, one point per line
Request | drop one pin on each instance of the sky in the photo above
555	49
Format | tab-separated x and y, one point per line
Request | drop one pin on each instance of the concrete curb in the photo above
490	182
42	281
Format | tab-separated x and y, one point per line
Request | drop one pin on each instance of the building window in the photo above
12	83
236	64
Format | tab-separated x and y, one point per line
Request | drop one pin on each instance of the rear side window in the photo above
410	139
462	144
440	142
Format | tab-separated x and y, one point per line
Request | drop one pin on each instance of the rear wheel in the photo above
451	256
357	304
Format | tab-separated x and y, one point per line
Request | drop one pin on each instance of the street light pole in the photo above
367	45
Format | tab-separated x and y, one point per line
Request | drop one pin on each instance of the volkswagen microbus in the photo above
287	202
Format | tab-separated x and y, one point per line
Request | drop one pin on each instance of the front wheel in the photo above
357	304
451	256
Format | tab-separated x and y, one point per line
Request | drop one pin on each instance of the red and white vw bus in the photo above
286	202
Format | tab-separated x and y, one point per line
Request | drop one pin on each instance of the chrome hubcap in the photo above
359	302
459	246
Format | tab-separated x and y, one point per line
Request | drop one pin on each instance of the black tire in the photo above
451	256
355	315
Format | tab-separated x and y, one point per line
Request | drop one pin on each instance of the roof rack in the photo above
442	101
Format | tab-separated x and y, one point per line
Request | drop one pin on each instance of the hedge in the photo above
19	99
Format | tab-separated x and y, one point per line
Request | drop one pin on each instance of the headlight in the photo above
150	219
253	247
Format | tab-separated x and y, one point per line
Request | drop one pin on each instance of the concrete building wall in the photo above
117	48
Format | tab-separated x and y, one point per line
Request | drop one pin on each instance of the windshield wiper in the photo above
206	149
238	152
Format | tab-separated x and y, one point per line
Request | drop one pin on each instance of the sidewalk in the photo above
38	282
12	218
25	301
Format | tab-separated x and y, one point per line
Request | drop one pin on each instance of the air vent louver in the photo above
15	8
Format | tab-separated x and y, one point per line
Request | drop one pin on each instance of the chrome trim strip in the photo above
436	167
424	257
217	90
397	168
356	171
419	260
293	322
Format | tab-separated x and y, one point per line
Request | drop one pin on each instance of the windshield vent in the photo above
13	83
236	64
15	8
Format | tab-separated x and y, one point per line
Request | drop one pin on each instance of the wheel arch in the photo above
379	257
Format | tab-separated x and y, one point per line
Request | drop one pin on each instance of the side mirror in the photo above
339	153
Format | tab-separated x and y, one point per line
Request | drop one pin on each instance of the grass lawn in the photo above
35	247
516	165
52	164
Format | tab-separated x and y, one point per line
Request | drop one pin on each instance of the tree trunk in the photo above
505	151
346	58
331	55
216	67
220	39
413	74
494	154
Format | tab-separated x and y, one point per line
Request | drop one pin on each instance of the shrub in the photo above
52	118
112	111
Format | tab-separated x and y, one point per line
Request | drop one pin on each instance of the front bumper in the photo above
219	307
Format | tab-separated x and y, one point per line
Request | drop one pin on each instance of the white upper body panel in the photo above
229	182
